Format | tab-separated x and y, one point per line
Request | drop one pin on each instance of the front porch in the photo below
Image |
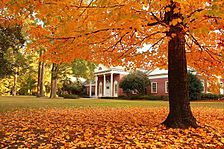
106	83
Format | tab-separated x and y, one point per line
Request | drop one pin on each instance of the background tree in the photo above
20	64
136	81
6	85
195	87
59	72
83	69
27	79
23	74
54	78
10	37
41	66
78	69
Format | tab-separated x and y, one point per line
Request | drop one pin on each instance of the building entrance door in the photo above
107	91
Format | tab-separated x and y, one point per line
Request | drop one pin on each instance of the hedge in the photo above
145	97
70	96
212	96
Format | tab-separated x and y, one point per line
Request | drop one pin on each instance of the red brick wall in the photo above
100	79
120	90
88	90
160	87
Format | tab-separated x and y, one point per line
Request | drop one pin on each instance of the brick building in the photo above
102	86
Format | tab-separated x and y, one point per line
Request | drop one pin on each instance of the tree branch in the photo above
86	6
197	10
86	34
204	49
157	19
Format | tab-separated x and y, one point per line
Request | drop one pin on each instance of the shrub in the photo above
151	97
72	87
135	83
145	97
195	87
70	96
108	97
212	96
23	91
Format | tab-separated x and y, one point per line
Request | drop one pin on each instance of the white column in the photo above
90	89
104	85
111	84
96	79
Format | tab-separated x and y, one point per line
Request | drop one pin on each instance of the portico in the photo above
106	82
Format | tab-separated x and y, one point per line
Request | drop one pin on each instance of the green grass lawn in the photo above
21	102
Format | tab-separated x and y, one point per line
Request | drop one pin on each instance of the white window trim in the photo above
166	91
152	87
115	83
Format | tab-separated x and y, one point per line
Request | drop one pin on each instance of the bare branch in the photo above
86	8
86	34
196	42
203	48
197	10
157	19
119	41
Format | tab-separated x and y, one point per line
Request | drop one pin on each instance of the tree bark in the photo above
40	77
180	114
14	84
54	76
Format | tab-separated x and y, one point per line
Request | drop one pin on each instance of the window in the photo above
115	88
154	87
166	87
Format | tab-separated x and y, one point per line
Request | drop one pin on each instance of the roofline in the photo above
159	74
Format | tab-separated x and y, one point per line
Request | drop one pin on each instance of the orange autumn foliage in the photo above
107	128
113	32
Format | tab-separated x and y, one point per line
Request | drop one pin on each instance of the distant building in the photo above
106	83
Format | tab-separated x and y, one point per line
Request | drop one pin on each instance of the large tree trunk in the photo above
180	115
40	77
54	76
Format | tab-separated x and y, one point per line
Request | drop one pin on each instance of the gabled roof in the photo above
158	71
103	69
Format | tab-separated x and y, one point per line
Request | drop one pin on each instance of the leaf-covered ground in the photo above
107	128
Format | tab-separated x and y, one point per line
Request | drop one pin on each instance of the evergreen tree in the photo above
195	87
